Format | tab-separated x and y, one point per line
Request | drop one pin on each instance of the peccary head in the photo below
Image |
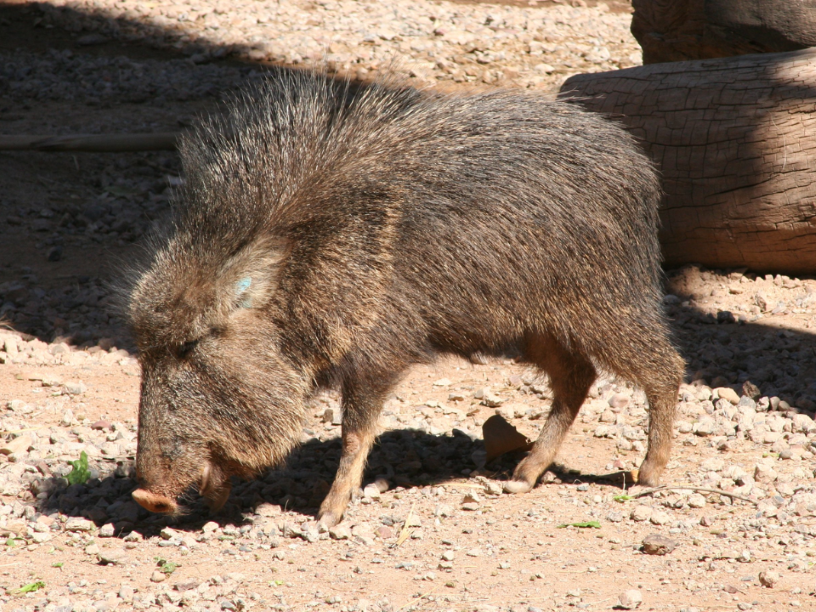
224	374
217	397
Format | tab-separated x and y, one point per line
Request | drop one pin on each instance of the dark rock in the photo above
658	544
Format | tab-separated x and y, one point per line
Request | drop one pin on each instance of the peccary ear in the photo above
250	278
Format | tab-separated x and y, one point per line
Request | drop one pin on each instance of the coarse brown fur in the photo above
322	236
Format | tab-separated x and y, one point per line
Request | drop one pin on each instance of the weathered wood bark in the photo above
735	140
676	30
162	141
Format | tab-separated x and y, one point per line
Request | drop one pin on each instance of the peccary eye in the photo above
185	348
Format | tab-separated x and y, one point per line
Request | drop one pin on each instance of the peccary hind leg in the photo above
362	403
660	380
571	375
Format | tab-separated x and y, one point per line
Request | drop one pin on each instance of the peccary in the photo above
330	237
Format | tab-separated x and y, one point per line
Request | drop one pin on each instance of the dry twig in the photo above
692	488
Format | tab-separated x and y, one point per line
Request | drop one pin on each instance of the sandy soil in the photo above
440	537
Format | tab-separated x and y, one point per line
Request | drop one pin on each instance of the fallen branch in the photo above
690	488
110	143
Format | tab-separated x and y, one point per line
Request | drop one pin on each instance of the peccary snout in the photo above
154	502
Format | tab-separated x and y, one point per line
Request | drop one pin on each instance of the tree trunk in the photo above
676	30
735	141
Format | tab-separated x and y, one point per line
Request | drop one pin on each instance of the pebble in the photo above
168	533
76	523
629	600
641	513
113	556
17	445
768	578
158	576
108	530
696	500
764	473
728	394
340	532
371	491
75	388
658	544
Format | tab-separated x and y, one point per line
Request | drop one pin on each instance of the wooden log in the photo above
162	141
735	141
676	30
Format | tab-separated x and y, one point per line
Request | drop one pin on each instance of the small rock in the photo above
76	523
658	544
363	534
371	491
158	576
115	556
20	444
101	425
618	401
211	526
448	555
75	388
471	497
768	578
764	473
641	513
107	530
10	345
413	521
491	400
444	510
696	500
381	484
170	534
126	593
728	394
92	549
629	600
659	518
310	531
749	389
340	532
493	487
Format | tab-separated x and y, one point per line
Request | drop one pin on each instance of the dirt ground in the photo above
440	535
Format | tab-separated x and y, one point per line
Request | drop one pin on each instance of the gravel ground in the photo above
430	42
430	530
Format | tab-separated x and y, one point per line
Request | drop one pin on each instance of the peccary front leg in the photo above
362	403
570	376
